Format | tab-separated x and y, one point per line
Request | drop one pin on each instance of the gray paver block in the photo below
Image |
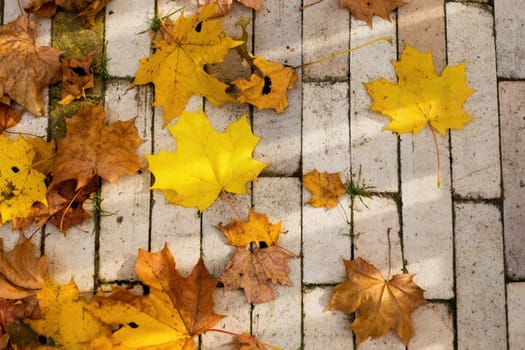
510	38
512	105
434	326
427	239
324	329
322	37
516	315
480	284
475	148
370	147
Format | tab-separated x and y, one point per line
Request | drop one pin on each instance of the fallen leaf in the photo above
381	305
246	342
256	271
267	88
177	67
44	154
87	9
41	8
206	161
26	69
77	76
21	274
9	116
326	188
175	310
20	184
223	6
365	10
65	318
9	311
421	96
257	229
93	148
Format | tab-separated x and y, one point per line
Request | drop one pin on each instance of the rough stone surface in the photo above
516	314
434	326
510	38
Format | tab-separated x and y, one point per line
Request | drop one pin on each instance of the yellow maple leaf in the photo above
381	304
177	66
326	188
20	184
206	161
421	96
267	89
257	229
64	317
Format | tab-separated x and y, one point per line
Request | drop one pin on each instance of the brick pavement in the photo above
464	240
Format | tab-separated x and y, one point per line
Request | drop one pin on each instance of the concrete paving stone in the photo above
127	203
516	315
370	231
324	329
421	24
322	37
512	123
510	38
475	148
434	327
427	239
125	20
232	305
373	149
481	318
389	341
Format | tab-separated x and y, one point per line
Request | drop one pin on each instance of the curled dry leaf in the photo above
93	148
77	76
267	88
257	229
9	116
326	188
177	66
206	161
223	6
26	69
256	271
247	342
381	305
365	10
21	274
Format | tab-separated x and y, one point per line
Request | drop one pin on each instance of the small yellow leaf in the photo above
421	96
326	188
257	229
20	184
206	161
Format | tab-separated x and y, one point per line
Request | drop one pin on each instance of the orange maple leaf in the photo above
381	305
245	341
365	10
257	229
93	148
326	188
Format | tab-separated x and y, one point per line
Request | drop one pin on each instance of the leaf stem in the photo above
68	206
230	203
344	52
438	157
310	4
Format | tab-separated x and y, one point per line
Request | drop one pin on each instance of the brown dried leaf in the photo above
41	8
247	342
365	10
93	148
223	6
77	76
326	188
87	9
26	69
256	272
9	116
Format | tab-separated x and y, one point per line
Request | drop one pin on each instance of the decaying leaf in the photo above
177	67
41	8
77	76
257	229
267	87
20	184
21	274
365	10
256	271
381	305
9	116
175	310
65	318
247	342
93	148
206	161
87	9
326	188
421	96
26	69
223	6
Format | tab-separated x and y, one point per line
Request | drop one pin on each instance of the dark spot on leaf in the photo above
267	88
79	71
198	27
42	339
133	325
146	290
220	284
15	169
74	205
263	244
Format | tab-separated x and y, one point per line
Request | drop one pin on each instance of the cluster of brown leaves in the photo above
87	9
